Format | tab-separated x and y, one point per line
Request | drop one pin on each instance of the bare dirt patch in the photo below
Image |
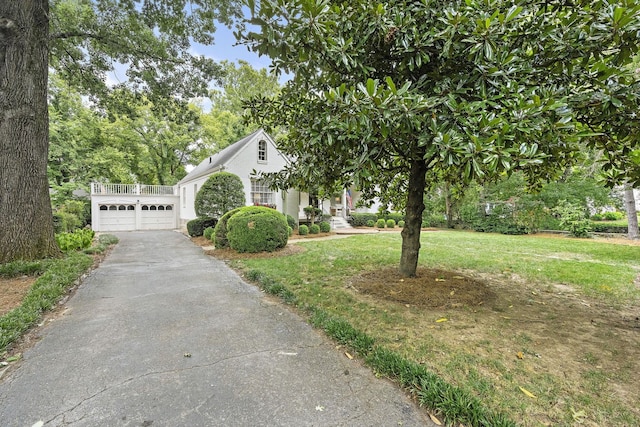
12	291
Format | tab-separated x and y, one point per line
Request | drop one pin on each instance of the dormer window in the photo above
262	151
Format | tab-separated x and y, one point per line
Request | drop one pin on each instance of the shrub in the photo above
208	233
395	216
257	229
303	230
314	229
362	219
325	227
573	219
391	223
219	236
289	231
196	227
401	224
292	222
613	216
381	223
79	239
371	223
222	192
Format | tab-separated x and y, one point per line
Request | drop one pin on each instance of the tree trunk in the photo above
413	219
26	223
632	215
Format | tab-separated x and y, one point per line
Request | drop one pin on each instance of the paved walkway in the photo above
163	335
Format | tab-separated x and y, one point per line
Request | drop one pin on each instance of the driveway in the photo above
163	335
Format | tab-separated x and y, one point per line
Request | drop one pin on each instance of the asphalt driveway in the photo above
163	335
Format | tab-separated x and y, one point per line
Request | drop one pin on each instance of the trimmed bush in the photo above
208	233
219	237
196	227
381	223
314	229
391	223
362	219
222	192
257	229
401	224
325	227
292	222
371	223
397	217
303	230
290	231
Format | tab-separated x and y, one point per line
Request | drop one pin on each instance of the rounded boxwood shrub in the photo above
196	227
208	232
292	222
257	229
401	224
325	227
381	223
314	229
289	231
219	237
391	223
303	230
371	223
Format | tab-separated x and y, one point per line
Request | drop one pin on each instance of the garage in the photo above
157	217
118	217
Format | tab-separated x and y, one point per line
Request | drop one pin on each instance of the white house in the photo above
120	207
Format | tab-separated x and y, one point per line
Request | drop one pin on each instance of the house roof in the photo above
217	161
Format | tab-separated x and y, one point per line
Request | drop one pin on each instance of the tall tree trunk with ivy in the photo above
632	215
26	226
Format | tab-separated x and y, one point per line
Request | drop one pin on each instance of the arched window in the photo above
122	208
113	208
160	208
262	151
104	207
169	207
145	207
131	208
153	207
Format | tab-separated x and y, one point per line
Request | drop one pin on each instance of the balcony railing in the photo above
98	188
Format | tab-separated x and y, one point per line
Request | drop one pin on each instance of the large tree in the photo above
82	40
396	96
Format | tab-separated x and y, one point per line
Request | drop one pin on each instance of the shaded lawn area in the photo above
545	329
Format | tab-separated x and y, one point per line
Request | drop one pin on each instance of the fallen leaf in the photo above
14	358
442	319
506	317
452	293
440	280
319	408
187	355
527	392
458	277
348	355
435	420
519	355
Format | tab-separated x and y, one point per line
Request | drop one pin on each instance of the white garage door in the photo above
157	217
117	217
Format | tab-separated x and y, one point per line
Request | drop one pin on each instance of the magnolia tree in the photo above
397	96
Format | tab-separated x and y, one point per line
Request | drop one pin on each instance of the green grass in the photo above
317	281
56	276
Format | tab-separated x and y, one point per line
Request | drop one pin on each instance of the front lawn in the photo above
543	329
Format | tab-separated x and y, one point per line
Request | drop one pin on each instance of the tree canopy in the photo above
397	96
83	40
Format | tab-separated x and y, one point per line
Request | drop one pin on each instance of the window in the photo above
262	151
184	197
261	194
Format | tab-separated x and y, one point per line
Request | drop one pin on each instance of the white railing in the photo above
133	189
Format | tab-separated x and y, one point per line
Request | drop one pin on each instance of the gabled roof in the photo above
217	161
